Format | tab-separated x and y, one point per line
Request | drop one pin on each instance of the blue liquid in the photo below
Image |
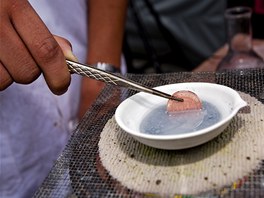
160	122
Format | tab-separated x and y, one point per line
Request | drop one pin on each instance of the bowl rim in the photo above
192	134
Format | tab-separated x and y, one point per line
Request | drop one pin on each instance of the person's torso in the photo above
35	124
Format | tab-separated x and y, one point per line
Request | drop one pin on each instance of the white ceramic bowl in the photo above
133	110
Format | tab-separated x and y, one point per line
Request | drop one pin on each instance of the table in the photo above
78	171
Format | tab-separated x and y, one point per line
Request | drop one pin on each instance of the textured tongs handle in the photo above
97	74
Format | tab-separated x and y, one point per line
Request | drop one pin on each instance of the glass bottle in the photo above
239	37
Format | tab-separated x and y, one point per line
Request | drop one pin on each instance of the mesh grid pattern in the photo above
78	171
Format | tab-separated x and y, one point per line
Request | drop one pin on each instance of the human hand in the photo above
66	48
27	49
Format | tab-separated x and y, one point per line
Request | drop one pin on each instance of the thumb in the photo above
66	48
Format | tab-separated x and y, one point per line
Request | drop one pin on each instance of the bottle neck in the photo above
239	32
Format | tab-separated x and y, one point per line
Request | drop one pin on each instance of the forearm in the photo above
105	36
106	27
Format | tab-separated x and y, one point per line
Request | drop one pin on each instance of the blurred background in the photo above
177	35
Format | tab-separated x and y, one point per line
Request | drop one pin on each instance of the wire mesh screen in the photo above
78	172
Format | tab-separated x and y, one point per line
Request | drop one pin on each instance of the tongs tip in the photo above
177	99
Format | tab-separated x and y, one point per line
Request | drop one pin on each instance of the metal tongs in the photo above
107	77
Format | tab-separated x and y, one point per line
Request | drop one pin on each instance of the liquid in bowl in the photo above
159	122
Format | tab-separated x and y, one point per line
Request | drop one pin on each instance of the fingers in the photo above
66	48
31	47
5	78
15	57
